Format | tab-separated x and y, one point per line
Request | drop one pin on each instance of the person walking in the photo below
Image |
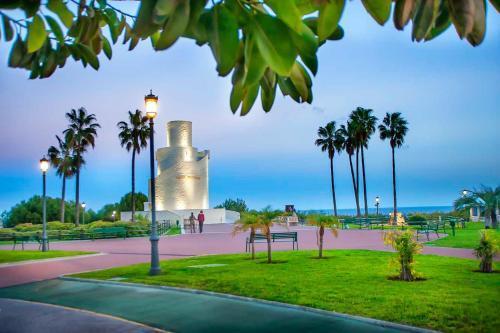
201	219
191	223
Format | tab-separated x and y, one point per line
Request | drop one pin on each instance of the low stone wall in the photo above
212	216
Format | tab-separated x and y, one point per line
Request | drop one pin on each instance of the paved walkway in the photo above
45	318
180	310
216	240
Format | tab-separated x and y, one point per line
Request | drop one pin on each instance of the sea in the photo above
382	210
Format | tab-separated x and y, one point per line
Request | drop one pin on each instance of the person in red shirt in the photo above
201	219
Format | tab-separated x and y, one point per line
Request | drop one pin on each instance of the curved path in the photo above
217	240
181	311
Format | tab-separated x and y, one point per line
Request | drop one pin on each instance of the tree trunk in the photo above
486	266
332	179
494	222
133	185
252	240
354	185
358	212
77	196
364	180
321	233
63	195
394	186
269	259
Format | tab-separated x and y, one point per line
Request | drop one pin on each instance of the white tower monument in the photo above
182	181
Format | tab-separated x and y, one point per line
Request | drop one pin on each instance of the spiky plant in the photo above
404	243
486	251
323	222
248	222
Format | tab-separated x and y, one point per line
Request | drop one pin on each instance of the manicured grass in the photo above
452	298
467	238
174	231
8	256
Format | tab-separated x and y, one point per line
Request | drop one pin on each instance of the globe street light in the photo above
44	166
151	102
83	210
377	203
114	215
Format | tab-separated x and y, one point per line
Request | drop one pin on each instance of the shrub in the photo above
100	224
56	225
25	227
407	247
416	218
486	251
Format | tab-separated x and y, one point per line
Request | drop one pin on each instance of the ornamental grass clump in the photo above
486	251
406	247
323	222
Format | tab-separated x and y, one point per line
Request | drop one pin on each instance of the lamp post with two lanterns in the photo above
377	203
151	102
83	212
44	166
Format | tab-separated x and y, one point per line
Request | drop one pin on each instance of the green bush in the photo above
25	227
100	224
417	218
133	229
56	225
6	231
486	250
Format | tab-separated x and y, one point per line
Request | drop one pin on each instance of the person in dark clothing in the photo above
191	223
201	219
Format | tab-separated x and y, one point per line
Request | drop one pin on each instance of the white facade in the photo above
182	181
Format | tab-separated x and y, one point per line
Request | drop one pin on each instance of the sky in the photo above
448	91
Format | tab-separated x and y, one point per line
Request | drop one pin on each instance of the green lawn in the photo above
8	256
174	231
467	238
452	298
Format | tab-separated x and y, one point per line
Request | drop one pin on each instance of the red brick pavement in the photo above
216	240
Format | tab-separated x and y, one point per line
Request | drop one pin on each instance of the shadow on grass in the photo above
273	262
316	257
396	278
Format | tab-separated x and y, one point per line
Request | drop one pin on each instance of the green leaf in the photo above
49	65
329	16
144	25
88	56
55	28
236	96
255	65
268	90
287	12
113	24
222	32
106	47
163	9
380	10
442	23
307	45
249	96
306	6
299	81
402	13
7	28
17	53
59	8
274	43
462	14
477	34
36	34
133	43
288	89
176	25
424	19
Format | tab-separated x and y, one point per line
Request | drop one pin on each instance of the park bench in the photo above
113	232
275	237
17	238
426	227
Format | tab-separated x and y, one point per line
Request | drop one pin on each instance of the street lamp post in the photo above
44	166
377	203
114	215
151	102
83	212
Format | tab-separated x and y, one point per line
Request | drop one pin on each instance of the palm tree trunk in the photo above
63	195
77	197
133	185
358	212
333	187
321	233
269	259
354	185
364	180
494	222
394	186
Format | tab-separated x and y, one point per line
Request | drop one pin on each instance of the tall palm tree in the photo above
364	124
80	134
349	145
486	198
134	137
61	158
329	141
394	128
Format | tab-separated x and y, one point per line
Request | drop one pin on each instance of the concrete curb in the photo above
377	322
26	262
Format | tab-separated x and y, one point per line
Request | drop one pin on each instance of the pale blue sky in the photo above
448	91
